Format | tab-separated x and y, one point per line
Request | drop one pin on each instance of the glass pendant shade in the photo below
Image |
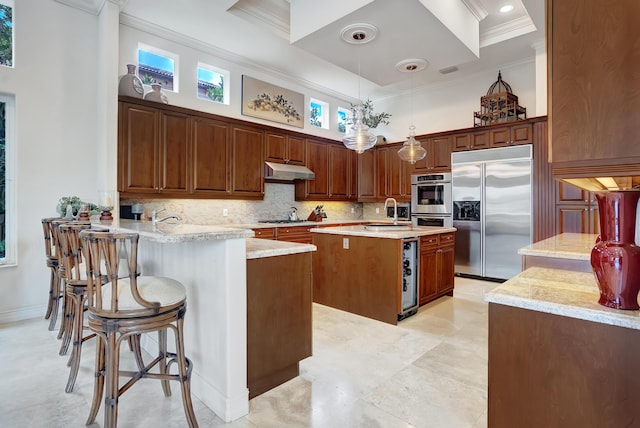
412	151
359	138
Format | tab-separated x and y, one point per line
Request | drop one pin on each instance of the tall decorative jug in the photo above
615	258
130	84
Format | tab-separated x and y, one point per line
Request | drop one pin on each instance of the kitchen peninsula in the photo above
557	358
213	263
363	269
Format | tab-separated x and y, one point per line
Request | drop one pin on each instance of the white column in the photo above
541	77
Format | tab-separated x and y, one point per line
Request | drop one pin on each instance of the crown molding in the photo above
92	7
506	31
476	8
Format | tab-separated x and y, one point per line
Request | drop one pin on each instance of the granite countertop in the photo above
259	248
399	234
171	233
300	223
561	292
575	246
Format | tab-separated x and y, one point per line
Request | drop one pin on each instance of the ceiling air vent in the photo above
448	70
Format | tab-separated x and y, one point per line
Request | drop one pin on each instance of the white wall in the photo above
54	82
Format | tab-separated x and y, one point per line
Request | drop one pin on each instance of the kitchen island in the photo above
361	271
211	262
570	251
557	358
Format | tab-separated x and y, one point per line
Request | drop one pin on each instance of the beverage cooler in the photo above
410	263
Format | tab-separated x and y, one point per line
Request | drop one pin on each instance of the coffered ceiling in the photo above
313	42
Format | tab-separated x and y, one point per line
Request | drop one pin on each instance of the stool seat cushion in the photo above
166	291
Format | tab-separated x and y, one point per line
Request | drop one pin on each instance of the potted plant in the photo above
369	118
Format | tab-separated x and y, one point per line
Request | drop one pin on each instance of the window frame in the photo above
346	120
325	122
161	52
226	78
11	4
11	235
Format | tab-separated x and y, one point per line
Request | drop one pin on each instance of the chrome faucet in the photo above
395	209
155	219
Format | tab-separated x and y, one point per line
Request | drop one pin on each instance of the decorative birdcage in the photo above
499	105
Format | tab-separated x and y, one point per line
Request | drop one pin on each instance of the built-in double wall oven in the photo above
431	200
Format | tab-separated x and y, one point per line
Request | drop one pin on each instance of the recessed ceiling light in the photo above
506	8
359	34
412	65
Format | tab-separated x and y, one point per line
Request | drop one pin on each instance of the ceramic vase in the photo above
130	84
156	94
615	258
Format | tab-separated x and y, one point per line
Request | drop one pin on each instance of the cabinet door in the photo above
139	151
211	157
512	135
572	219
480	140
382	170
428	288
594	86
175	153
440	154
367	176
353	175
247	154
424	164
395	177
445	269
339	176
500	137
461	142
569	194
275	147
318	162
297	150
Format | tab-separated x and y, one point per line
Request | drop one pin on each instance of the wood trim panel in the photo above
552	371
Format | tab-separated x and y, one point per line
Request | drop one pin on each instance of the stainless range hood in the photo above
281	171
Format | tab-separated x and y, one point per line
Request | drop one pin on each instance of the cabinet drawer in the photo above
295	234
447	239
265	233
428	242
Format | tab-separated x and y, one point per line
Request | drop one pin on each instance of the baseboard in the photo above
23	314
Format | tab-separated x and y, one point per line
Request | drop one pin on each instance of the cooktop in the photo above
281	221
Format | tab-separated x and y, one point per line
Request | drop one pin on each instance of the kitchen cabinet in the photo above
394	175
154	151
247	154
576	210
594	87
471	141
299	234
211	157
279	313
367	174
336	173
265	233
511	135
438	157
284	148
436	266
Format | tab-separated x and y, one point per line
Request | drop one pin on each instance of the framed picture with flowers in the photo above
270	102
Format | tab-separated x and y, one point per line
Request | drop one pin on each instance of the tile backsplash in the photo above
277	203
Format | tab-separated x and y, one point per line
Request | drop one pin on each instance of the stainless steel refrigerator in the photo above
491	193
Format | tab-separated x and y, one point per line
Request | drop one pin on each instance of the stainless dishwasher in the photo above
409	278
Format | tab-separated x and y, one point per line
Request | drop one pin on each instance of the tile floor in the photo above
429	371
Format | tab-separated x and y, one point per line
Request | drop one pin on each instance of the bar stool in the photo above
55	289
120	308
74	278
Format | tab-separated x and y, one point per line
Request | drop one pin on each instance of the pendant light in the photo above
411	151
358	136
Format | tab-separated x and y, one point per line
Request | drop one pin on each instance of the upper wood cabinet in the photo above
335	168
438	157
284	148
367	174
594	87
511	135
247	161
471	141
154	151
394	174
211	157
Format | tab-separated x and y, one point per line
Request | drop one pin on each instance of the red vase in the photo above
615	258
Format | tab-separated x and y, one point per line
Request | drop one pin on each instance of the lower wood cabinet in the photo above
436	266
279	330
